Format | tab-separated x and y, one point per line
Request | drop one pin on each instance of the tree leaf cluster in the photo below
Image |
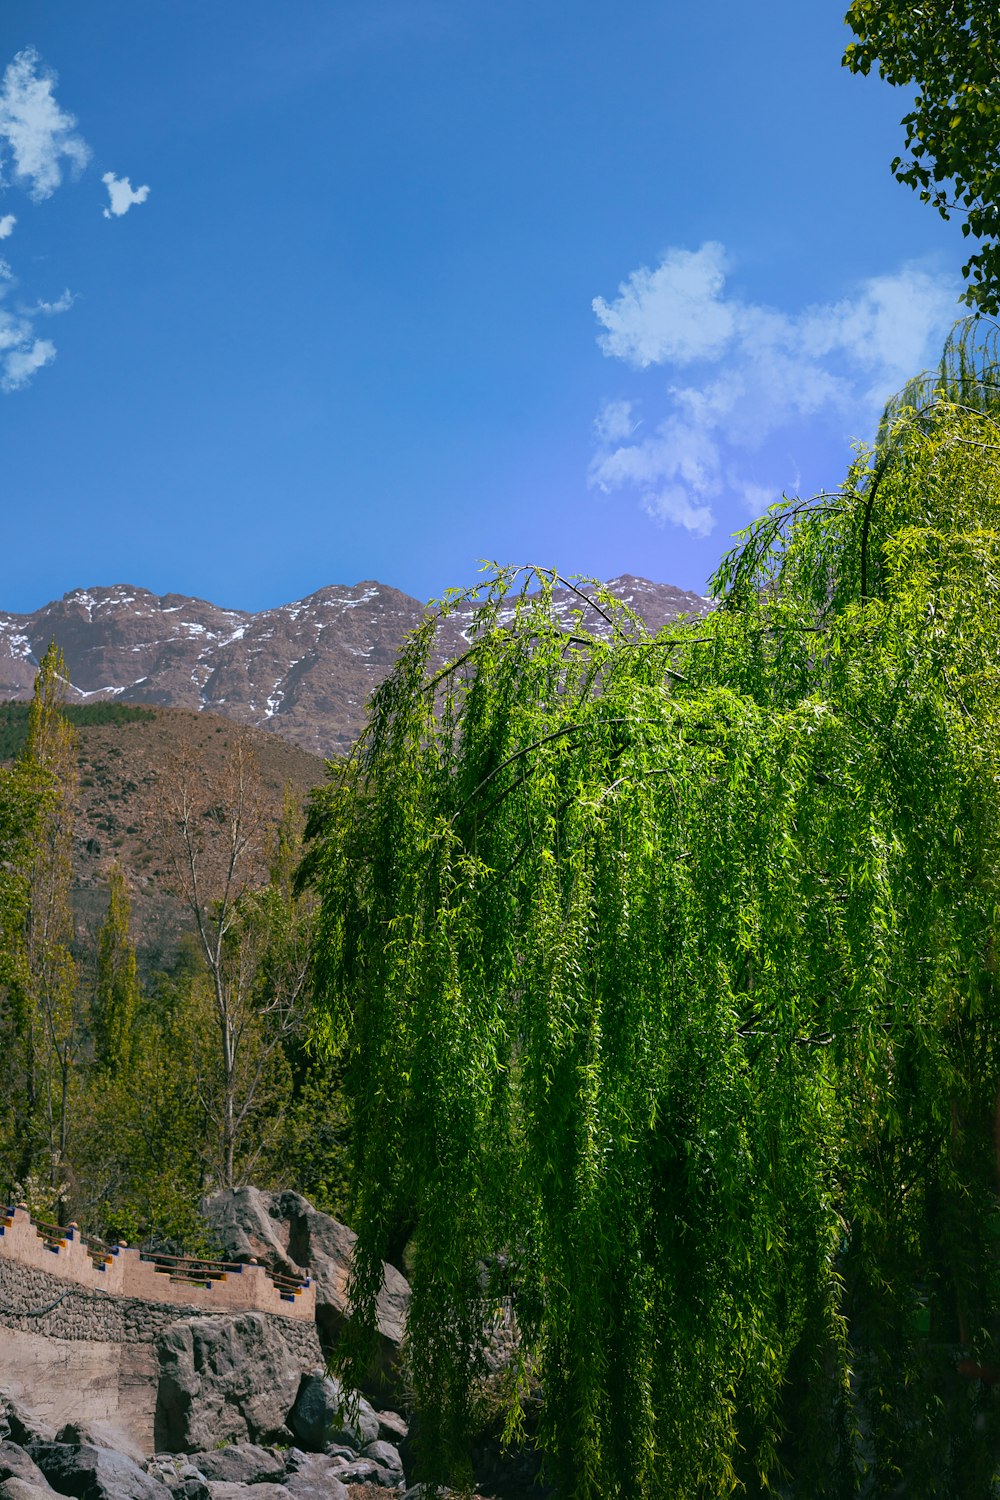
950	50
129	1097
665	970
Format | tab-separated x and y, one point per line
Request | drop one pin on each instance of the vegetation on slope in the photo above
131	1091
14	721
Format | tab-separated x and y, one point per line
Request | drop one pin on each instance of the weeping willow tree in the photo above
666	966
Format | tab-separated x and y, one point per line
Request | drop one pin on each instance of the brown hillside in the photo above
122	766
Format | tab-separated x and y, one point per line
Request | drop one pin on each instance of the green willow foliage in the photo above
666	970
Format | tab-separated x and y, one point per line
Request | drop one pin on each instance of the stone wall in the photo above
75	1353
127	1273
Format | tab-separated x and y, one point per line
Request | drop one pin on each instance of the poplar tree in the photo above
666	970
116	989
217	839
51	977
19	799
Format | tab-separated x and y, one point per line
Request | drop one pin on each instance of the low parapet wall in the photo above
209	1286
71	1354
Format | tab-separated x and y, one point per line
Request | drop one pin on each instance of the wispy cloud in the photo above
37	137
755	371
49	309
121	194
38	143
22	352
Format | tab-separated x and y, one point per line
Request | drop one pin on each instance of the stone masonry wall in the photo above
127	1273
26	1303
73	1353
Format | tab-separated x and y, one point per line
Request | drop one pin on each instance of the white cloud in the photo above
757	371
20	363
614	422
38	143
21	351
36	132
60	305
122	195
673	313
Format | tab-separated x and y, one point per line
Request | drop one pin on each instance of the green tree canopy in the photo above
20	808
666	967
115	1001
50	758
950	49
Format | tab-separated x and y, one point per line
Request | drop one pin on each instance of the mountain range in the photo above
302	670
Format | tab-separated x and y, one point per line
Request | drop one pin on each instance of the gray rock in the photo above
15	1463
246	1229
22	1489
222	1380
91	1473
365	1471
285	1233
383	1453
245	1463
313	1476
189	1485
222	1489
391	1426
182	1479
21	1425
100	1435
323	1414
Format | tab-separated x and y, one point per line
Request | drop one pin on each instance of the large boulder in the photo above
224	1489
100	1435
246	1228
313	1476
325	1415
244	1463
90	1473
23	1489
16	1464
223	1380
20	1425
284	1232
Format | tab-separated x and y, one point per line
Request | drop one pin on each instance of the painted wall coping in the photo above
216	1286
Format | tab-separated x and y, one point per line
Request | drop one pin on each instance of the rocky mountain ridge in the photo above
303	670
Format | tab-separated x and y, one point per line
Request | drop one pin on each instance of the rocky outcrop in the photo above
78	1461
20	1426
20	1476
81	1356
223	1380
323	1414
92	1473
288	1235
245	1463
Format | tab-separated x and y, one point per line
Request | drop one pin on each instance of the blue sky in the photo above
311	292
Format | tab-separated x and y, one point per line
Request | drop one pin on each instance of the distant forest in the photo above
14	718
